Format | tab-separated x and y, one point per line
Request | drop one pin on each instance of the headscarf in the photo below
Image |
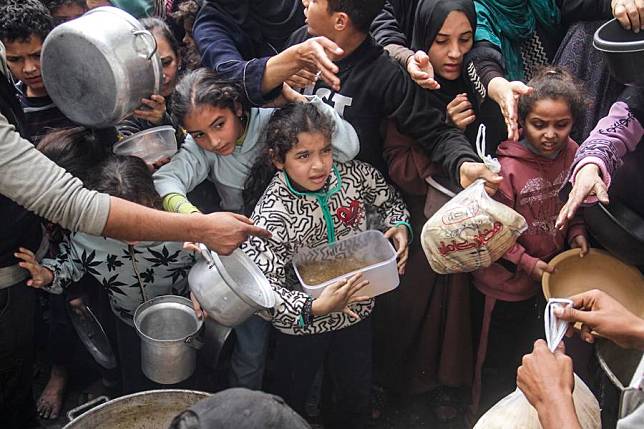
430	16
507	23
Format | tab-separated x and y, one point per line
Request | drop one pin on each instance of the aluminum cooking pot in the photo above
624	52
98	67
153	409
230	288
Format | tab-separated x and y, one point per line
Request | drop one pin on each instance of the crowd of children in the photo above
316	133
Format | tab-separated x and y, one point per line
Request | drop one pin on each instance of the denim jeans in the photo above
249	353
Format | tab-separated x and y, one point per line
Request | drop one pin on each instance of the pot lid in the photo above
93	336
612	37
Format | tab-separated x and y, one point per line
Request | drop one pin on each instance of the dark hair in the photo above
187	10
203	87
361	12
23	18
187	13
54	5
556	84
78	150
126	177
155	25
280	136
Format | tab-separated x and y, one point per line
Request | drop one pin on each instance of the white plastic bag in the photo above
471	231
514	411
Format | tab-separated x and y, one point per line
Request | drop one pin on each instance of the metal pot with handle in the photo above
230	288
98	67
168	328
144	410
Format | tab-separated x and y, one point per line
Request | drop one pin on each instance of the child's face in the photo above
23	59
318	19
67	12
215	129
548	125
309	162
453	40
170	63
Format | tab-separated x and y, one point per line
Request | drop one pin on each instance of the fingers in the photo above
350	313
402	262
242	218
191	247
601	192
571	314
258	231
196	306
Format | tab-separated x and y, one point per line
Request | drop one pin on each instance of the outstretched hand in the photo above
587	183
224	232
472	171
629	13
421	71
338	296
506	94
40	276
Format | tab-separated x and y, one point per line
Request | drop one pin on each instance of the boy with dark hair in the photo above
65	10
23	28
375	87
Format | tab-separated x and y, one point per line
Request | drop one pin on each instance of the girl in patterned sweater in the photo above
311	201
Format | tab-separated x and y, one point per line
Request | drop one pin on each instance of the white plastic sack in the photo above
470	232
514	411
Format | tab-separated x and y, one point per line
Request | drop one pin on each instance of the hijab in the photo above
507	23
430	16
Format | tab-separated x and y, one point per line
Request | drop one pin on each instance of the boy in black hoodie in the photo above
375	87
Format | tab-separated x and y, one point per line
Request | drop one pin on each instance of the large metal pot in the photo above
153	409
168	326
624	52
230	288
98	67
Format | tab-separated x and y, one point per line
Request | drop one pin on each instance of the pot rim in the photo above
127	398
264	284
160	299
604	45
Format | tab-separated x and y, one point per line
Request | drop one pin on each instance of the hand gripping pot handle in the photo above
146	34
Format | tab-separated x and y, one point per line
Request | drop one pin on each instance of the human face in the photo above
67	12
452	42
215	129
548	125
23	59
308	163
318	19
170	63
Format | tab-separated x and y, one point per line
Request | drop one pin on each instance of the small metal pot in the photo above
624	52
168	326
98	67
153	409
230	288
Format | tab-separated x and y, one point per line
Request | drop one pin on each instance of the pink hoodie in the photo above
530	186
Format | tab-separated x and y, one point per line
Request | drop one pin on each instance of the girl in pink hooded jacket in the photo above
534	169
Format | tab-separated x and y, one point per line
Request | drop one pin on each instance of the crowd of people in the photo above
300	123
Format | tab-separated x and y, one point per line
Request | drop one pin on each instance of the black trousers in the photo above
346	357
17	408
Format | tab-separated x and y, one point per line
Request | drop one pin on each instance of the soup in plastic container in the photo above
368	252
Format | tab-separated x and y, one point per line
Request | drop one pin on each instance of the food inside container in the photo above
368	252
150	145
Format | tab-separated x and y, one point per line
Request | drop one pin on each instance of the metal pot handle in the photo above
72	414
146	33
194	342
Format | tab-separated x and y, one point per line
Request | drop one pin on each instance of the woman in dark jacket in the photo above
425	325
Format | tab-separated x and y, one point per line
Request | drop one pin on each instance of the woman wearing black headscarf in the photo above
423	334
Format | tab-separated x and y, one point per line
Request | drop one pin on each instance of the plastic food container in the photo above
368	252
150	145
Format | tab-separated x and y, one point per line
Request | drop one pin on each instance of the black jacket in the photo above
237	37
375	87
18	226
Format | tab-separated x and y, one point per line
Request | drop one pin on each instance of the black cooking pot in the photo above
619	229
624	52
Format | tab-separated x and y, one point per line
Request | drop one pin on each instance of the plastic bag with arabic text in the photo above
471	231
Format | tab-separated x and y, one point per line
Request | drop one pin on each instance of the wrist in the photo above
557	410
317	308
637	333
